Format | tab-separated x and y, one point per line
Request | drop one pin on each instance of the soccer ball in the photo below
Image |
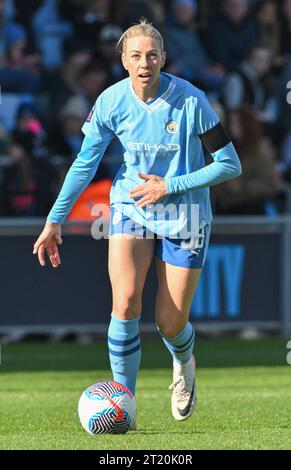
107	407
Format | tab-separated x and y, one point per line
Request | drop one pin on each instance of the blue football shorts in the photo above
178	252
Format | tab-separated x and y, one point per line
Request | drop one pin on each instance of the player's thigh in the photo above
128	264
176	288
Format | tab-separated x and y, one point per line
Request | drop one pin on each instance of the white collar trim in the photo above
158	102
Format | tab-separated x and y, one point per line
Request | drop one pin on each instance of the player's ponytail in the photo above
142	28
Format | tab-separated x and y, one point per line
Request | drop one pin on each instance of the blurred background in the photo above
56	57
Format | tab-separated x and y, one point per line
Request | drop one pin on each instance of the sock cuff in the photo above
188	324
180	334
128	322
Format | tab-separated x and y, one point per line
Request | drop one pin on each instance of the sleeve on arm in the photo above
98	135
205	116
226	164
78	177
97	125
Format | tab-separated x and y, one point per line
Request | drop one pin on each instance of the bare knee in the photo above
169	328
127	306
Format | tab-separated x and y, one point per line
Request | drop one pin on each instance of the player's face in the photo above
143	59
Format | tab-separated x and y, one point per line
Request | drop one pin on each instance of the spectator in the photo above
8	30
4	139
17	55
259	185
128	12
284	166
66	138
285	28
267	23
253	85
231	35
5	25
185	52
109	53
94	79
23	13
20	72
64	82
10	10
50	32
95	15
28	120
158	13
26	189
71	10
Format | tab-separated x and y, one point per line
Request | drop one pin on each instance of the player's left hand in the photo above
153	190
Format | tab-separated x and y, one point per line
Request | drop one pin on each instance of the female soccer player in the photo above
162	122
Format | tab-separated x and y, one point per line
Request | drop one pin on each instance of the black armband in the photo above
215	139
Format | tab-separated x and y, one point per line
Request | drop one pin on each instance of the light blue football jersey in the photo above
159	138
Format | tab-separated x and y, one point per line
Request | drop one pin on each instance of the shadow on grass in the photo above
75	357
178	432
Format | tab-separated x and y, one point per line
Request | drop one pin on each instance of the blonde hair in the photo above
143	28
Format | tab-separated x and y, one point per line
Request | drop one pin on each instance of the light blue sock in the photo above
181	346
124	350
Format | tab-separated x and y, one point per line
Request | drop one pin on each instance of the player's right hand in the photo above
48	242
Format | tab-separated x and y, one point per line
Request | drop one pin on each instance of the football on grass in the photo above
107	407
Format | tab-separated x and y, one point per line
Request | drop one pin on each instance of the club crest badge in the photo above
172	127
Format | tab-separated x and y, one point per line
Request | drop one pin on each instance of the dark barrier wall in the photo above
240	282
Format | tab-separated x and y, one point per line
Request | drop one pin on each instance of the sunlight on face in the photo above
143	59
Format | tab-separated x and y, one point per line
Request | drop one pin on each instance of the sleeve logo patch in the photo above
90	114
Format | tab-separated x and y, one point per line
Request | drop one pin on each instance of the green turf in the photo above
244	397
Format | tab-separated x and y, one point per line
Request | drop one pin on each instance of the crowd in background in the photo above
57	56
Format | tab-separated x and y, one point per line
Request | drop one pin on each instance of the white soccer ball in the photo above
107	407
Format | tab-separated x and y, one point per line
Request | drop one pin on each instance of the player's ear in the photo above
164	56
124	61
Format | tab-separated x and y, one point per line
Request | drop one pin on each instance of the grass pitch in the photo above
244	397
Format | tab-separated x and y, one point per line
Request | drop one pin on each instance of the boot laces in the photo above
180	389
